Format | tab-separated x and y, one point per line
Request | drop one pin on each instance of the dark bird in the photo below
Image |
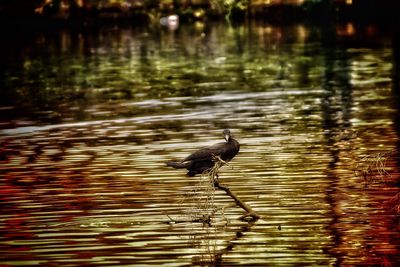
203	159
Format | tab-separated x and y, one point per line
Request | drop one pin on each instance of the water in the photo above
88	118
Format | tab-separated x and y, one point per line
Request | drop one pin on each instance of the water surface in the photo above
88	118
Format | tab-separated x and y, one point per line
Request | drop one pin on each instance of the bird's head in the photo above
227	135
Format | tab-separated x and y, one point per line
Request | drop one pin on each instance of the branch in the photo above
250	212
251	215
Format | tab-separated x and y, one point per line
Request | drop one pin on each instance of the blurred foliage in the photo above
199	9
196	9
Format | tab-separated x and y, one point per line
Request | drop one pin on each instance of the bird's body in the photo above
203	159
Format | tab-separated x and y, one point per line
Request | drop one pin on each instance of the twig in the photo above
373	168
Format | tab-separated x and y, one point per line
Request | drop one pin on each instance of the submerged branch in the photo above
206	219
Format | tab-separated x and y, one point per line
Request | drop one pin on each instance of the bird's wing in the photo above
207	153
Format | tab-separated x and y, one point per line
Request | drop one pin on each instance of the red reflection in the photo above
17	227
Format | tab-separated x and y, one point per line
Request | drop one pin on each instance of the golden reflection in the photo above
199	26
346	30
350	29
302	33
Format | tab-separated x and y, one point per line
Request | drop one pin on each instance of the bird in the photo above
203	160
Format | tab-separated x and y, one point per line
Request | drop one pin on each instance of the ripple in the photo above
86	184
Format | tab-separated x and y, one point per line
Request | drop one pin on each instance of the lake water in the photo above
89	117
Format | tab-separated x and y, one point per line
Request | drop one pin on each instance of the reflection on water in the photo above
88	119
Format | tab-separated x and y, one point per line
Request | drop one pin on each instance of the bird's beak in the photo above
226	137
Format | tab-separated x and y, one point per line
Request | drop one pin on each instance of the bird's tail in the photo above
177	165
